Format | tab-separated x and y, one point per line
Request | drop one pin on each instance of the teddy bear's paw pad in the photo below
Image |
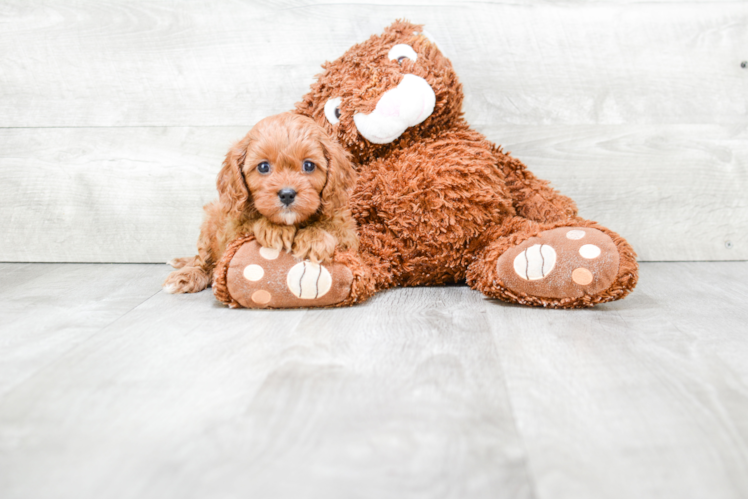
260	277
560	263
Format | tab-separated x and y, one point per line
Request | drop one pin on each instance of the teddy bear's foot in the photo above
256	277
566	262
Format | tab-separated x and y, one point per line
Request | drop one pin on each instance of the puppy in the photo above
287	183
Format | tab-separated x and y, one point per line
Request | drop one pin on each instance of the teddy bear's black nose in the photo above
287	196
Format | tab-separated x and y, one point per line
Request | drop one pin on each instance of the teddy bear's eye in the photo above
332	110
401	52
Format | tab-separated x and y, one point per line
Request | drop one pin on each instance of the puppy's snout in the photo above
287	196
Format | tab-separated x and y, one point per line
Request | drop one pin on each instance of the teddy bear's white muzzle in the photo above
407	105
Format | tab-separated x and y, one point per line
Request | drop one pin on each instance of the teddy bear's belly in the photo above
421	206
425	231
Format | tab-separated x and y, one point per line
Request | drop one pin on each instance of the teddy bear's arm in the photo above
533	198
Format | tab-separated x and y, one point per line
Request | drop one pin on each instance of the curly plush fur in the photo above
440	203
312	227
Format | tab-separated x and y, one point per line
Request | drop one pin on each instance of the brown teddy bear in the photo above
435	201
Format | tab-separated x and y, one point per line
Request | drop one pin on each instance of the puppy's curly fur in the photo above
313	226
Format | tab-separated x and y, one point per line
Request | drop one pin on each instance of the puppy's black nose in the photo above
287	196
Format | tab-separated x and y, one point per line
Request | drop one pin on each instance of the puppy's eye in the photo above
402	52
263	167
309	166
332	110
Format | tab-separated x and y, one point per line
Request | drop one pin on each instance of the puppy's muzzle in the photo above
287	196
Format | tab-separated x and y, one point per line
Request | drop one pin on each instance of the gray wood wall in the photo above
115	115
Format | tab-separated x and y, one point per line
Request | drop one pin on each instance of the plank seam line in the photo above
531	477
527	466
73	348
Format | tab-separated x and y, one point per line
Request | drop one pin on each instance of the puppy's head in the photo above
287	168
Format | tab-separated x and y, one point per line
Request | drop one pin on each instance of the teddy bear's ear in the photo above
403	26
306	106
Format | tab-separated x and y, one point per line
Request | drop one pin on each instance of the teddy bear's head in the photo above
394	87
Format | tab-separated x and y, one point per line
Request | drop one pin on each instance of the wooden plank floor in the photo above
111	388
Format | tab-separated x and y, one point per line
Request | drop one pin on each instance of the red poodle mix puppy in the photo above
286	183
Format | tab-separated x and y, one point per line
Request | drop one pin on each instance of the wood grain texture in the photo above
647	397
677	192
183	397
423	392
48	309
173	63
114	116
107	194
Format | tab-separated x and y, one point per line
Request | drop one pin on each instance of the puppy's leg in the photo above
194	274
314	243
187	280
271	235
180	262
317	242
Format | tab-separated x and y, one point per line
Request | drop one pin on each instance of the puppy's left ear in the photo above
233	192
341	177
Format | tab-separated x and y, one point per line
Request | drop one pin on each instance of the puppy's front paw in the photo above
186	280
272	235
314	244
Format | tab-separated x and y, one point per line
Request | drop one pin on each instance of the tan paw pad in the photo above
261	297
560	263
581	276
